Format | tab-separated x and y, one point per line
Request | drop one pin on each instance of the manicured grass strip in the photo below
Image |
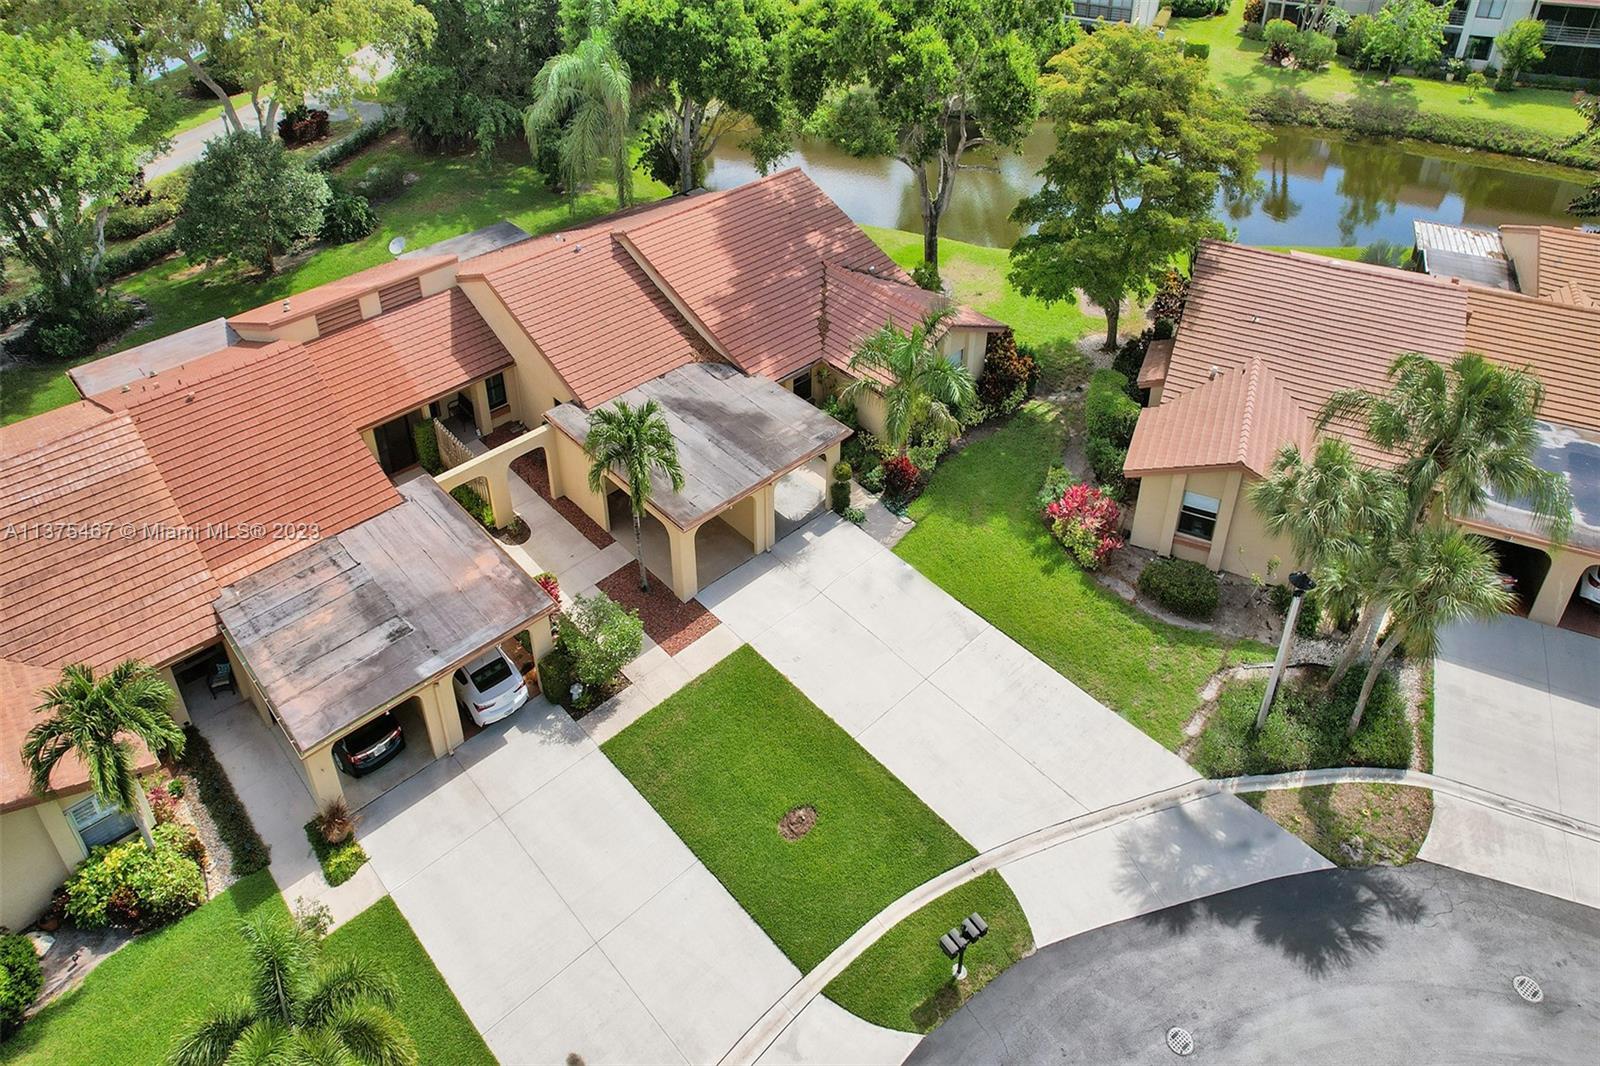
441	1029
130	1008
978	538
339	861
1353	824
904	982
976	276
725	758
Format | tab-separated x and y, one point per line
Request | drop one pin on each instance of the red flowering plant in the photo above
899	477
547	581
1087	523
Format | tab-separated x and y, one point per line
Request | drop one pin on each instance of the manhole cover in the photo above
1527	988
1180	1041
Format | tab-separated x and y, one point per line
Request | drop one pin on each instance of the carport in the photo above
737	436
374	619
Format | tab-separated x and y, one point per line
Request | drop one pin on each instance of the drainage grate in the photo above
1180	1041
1527	988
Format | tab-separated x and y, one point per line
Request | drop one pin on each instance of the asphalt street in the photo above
1411	965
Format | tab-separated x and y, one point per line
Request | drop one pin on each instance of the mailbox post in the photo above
954	944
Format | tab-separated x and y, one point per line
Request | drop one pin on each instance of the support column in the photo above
61	834
1174	504
685	568
767	509
1556	592
480	406
1219	535
439	707
539	636
322	777
179	709
498	480
553	469
831	457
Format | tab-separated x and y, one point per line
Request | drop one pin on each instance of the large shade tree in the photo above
97	719
925	82
1144	140
249	200
583	100
633	443
298	1008
913	379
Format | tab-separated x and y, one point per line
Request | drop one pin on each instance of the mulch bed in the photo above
670	622
531	468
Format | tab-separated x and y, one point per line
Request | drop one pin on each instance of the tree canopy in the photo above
583	101
918	385
1521	47
924	82
1144	141
1406	33
249	200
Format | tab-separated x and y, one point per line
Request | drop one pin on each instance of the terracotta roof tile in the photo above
403	359
1559	342
311	301
1241	418
1157	358
1564	257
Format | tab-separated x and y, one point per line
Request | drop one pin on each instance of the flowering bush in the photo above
547	581
129	885
1087	523
900	476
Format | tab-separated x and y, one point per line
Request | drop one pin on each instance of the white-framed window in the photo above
958	357
98	822
1198	516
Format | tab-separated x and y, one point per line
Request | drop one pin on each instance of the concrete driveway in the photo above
994	740
564	913
1517	712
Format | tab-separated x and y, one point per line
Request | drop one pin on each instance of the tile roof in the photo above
1564	257
594	313
299	305
399	361
95	568
20	685
859	303
1559	342
1240	418
1153	370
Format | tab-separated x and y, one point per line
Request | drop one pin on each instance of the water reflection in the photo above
1315	190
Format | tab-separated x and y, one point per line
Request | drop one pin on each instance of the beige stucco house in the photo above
1265	339
242	495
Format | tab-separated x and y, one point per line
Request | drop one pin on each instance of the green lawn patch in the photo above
1353	824
904	982
976	276
129	1009
978	538
441	1029
727	757
339	861
1306	729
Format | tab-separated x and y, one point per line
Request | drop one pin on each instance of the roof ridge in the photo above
694	203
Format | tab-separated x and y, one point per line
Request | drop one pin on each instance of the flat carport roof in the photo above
351	624
734	432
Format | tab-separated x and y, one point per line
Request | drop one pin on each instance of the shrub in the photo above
926	275
1196	9
1280	36
140	254
348	217
925	457
1306	729
899	477
248	201
840	411
873	480
250	853
1181	586
126	223
339	858
839	491
1315	50
1130	357
358	141
1353	42
1253	10
21	977
130	885
336	823
1196	50
547	581
557	676
855	515
62	331
381	181
1056	481
602	637
474	504
426	440
301	125
1108	411
1106	461
14	309
1009	374
1172	292
1087	524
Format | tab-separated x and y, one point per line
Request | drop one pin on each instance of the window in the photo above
958	357
1491	9
802	385
497	391
98	822
1198	516
1479	47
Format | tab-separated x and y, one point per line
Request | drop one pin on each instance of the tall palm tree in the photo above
584	98
298	1009
1436	574
94	718
634	441
923	387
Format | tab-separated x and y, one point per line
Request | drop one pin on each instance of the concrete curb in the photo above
766	1030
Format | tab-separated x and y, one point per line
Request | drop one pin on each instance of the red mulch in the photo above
670	622
531	468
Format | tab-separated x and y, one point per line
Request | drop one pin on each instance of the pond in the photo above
1317	189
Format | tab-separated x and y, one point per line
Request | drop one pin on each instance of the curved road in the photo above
1392	965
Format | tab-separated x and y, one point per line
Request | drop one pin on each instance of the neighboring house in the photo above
1571	34
1265	339
1135	12
241	495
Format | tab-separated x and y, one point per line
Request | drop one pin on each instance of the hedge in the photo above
1180	585
364	136
139	254
250	853
21	977
125	223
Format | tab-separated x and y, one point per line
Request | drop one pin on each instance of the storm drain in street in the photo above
1180	1041
1527	988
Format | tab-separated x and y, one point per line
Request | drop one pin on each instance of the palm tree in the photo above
588	93
918	385
93	718
1435	575
634	441
298	1009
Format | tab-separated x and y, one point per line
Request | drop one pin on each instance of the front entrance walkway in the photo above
995	741
1517	712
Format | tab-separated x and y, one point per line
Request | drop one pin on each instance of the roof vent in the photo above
1216	372
872	268
1255	320
286	307
127	388
577	247
188	397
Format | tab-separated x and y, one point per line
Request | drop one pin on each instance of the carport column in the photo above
767	510
685	570
439	712
539	636
500	496
1559	583
178	709
831	457
321	777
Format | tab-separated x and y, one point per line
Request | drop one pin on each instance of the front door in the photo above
396	449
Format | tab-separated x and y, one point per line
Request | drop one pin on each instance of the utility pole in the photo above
1301	583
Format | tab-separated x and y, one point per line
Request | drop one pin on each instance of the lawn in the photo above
727	757
1237	66
904	982
131	1007
453	194
978	538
